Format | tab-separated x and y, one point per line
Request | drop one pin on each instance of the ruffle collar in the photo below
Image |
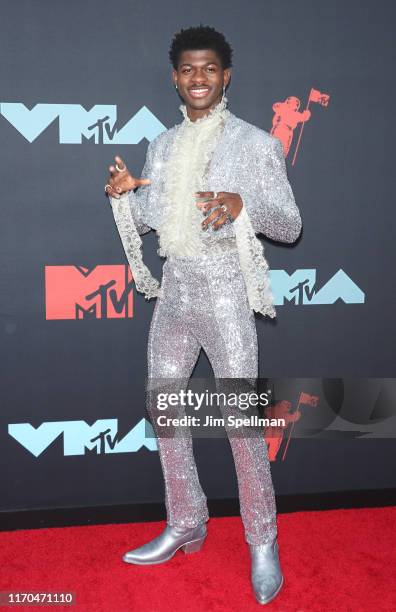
220	110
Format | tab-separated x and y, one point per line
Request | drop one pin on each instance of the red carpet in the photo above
339	560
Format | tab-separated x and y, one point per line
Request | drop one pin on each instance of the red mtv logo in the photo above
75	292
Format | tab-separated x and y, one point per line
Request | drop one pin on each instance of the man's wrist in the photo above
239	218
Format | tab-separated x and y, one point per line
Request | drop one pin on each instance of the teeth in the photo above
200	93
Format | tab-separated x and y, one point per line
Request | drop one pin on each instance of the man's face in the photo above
200	78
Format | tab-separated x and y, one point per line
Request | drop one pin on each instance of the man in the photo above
210	184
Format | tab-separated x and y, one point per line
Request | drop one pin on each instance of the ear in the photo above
227	76
174	76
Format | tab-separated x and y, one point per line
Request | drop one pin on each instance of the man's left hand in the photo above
232	201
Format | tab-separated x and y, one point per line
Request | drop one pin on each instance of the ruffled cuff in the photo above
254	265
145	283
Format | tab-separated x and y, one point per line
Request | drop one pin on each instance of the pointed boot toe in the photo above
163	547
266	574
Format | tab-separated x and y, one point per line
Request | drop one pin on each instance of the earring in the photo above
176	85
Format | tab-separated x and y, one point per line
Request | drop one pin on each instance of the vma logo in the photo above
76	292
300	288
78	437
98	125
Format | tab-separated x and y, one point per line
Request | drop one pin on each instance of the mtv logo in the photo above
76	292
78	437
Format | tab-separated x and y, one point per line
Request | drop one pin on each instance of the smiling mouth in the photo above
199	92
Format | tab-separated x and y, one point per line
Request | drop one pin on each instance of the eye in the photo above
212	69
186	69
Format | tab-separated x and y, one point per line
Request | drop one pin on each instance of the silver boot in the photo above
163	547
266	573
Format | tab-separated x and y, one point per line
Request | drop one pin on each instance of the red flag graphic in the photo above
310	400
319	97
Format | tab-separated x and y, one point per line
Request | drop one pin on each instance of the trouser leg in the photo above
172	354
229	338
256	491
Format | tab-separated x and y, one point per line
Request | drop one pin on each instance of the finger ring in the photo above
223	207
214	195
107	185
119	169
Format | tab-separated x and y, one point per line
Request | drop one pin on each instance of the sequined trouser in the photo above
205	304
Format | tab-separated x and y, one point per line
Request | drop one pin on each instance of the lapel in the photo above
220	176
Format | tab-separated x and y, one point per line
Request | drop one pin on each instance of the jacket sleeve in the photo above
130	216
269	199
138	200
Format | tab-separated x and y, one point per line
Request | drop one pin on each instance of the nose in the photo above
198	77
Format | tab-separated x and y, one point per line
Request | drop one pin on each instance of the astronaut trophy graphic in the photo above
288	115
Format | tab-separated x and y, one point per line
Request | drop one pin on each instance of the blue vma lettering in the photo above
78	437
98	125
300	288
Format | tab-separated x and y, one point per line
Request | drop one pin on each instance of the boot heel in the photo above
192	547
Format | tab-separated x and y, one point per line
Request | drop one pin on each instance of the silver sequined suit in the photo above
205	305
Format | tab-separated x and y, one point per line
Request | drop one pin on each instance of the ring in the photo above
119	169
107	185
223	207
214	195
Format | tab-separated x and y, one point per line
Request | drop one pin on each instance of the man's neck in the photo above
194	114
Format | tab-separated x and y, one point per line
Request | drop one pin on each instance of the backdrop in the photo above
82	82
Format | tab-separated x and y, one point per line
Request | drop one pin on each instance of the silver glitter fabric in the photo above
247	160
214	153
204	305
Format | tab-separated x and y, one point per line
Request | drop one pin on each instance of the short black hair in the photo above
200	37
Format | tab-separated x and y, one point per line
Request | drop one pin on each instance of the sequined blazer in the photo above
247	160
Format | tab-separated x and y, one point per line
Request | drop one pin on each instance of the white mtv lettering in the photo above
78	436
98	124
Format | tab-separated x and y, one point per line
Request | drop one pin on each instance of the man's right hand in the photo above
122	180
